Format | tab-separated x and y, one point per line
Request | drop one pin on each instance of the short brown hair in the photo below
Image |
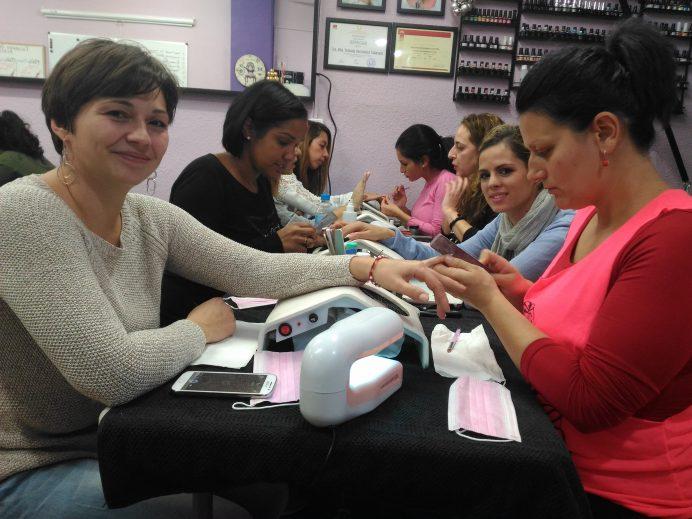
98	68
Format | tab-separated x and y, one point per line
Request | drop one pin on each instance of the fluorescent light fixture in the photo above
114	17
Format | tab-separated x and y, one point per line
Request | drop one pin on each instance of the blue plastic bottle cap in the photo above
325	197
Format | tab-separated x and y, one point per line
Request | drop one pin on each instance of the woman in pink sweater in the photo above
421	154
604	335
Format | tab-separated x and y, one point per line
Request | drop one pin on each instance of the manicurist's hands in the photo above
399	196
392	209
507	278
215	318
394	275
297	237
366	231
469	282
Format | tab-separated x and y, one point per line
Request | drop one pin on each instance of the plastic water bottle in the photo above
349	214
323	210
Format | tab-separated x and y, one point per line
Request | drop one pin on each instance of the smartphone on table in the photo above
224	383
442	245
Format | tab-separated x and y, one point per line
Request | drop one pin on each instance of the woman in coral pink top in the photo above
421	154
605	335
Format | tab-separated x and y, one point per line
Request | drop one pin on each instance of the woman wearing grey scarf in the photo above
529	229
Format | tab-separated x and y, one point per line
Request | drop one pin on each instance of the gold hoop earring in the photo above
151	183
69	178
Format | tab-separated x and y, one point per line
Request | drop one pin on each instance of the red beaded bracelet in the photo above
371	274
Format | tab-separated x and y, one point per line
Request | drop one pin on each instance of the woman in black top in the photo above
230	191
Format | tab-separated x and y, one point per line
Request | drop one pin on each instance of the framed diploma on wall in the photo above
424	7
356	45
372	5
423	49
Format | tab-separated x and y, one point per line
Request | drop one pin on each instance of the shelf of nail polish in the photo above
530	55
677	30
486	43
682	56
484	68
583	8
503	18
490	95
561	33
668	7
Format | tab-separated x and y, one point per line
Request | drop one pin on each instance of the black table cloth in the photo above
398	457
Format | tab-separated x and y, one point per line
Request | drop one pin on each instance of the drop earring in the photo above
151	183
604	159
67	178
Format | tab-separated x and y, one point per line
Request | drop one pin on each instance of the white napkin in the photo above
471	354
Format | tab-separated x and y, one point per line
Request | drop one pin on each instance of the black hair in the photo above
632	75
266	104
420	140
447	145
97	68
16	136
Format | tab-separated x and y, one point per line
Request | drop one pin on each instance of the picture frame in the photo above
357	45
22	60
370	5
421	7
427	50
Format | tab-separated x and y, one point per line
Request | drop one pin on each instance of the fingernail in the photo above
423	297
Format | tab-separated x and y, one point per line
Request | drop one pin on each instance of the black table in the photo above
392	462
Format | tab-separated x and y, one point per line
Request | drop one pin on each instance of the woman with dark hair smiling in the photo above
80	279
604	335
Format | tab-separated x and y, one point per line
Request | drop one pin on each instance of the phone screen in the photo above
444	246
242	383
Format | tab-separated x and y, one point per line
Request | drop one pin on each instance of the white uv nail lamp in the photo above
369	214
303	317
340	377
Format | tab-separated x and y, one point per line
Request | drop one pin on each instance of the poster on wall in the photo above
422	7
22	60
356	45
423	49
372	5
170	53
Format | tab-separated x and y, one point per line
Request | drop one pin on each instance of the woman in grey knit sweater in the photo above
81	264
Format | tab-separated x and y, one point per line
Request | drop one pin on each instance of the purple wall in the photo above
252	32
370	110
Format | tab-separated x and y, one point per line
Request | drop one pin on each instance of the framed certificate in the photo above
423	49
356	45
372	5
424	7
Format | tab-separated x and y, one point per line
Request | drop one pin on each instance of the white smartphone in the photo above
224	383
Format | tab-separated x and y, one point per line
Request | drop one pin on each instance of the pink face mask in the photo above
286	367
484	407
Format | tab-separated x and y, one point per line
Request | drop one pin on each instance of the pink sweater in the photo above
427	211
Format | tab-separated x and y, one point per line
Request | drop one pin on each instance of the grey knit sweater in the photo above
79	317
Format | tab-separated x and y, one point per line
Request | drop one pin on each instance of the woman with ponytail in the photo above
421	154
604	335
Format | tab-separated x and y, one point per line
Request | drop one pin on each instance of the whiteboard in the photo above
21	60
170	53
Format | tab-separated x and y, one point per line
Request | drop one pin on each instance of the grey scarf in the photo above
511	240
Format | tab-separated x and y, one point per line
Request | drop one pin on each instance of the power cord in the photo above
304	503
336	130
